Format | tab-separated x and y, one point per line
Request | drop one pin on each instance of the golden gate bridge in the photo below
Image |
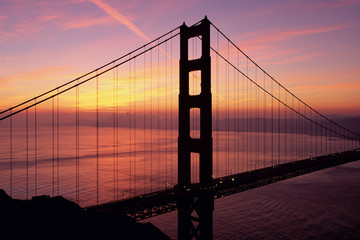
167	126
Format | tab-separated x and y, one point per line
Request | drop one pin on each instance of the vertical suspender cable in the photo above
144	112
166	120
236	122
293	129
247	116
114	132
97	139
171	112
310	135
321	136
299	132
264	131
243	124
331	133
217	158
238	113
286	144
290	130
151	125
134	125
304	130
272	124
172	118
304	133
27	153
251	125
11	153
234	132
53	144
35	147
316	136
158	113
326	131
279	130
227	109
296	134
77	144
58	142
257	121
130	129
297	145
117	131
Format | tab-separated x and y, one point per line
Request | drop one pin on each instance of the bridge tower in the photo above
201	203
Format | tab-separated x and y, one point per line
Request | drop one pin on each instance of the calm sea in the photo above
320	205
129	162
108	164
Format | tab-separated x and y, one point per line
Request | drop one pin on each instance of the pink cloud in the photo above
264	45
6	57
292	59
4	36
119	17
271	36
2	18
328	5
24	28
276	9
83	23
47	18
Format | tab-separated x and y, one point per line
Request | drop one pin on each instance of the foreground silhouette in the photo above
45	217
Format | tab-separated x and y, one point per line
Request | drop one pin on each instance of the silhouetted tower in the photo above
195	208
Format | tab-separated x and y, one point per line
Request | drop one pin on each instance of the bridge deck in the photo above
156	203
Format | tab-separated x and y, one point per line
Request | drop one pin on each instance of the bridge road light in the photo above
124	194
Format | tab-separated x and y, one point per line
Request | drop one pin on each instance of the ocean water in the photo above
111	164
320	205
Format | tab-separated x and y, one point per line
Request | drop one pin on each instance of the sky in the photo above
311	47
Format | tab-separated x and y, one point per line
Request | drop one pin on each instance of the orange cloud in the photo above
335	88
34	75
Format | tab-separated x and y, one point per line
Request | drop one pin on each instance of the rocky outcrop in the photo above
45	217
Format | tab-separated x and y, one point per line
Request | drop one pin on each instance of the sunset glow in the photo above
310	48
145	107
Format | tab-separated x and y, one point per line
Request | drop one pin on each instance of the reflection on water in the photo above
320	205
133	161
